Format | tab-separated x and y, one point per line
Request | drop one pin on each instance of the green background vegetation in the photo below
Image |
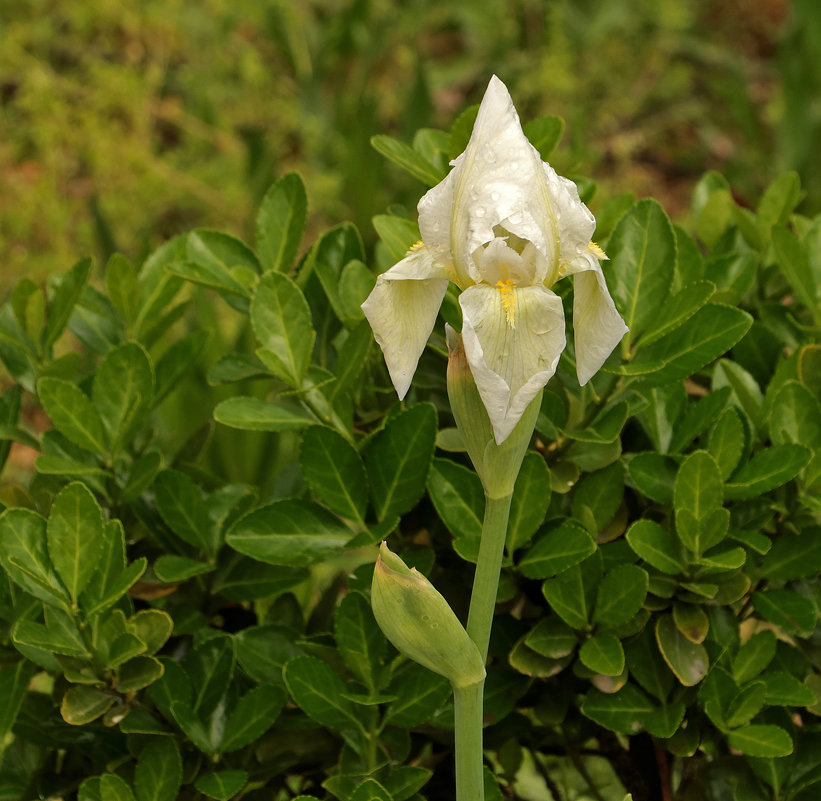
124	124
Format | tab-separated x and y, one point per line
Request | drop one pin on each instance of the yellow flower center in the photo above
508	299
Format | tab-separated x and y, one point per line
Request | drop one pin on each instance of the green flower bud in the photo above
496	465
419	622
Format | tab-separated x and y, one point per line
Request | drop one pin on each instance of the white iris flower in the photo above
502	226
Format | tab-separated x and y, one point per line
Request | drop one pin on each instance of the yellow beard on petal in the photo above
508	299
596	251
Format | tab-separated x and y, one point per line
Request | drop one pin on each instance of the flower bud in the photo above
496	465
419	622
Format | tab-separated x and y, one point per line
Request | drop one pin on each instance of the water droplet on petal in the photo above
480	212
494	197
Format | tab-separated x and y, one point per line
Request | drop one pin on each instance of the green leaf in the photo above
603	654
405	781
761	740
691	621
794	556
664	721
698	418
83	704
620	595
397	233
158	775
24	555
137	673
563	545
398	459
334	471
571	594
553	638
171	569
194	729
646	665
215	250
784	689
708	334
319	692
72	413
623	712
698	496
531	497
282	323
642	254
361	643
746	704
121	286
281	223
793	612
14	680
35	635
459	499
65	294
113	788
180	504
262	651
726	443
152	626
754	656
601	492
653	475
544	134
407	158
688	660
355	284
123	391
768	469
419	695
779	199
74	534
210	667
745	390
370	790
116	587
288	532
252	716
678	309
242	579
253	414
223	784
53	465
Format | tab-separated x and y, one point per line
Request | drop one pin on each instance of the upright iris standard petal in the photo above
402	309
497	181
513	339
597	326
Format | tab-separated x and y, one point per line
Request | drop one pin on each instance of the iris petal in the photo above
402	310
513	339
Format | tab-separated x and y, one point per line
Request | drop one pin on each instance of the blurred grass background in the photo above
122	124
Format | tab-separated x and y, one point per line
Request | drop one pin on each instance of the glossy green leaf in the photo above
14	681
74	534
794	556
459	499
745	391
282	323
334	471
180	504
254	414
172	569
761	740
531	497
407	158
137	673
793	612
691	621
768	469
252	716
623	712
405	781
561	546
24	555
262	651
688	660
620	595
698	495
288	532
653	475
419	695
370	790
746	704
678	309
121	286
281	223
647	666
397	233
64	296
663	721
544	134
707	335
224	784
794	262
83	704
784	689
642	254
72	413
158	775
726	443
698	418
319	692
114	788
398	459
31	634
603	654
361	643
553	638
754	656
601	492
571	594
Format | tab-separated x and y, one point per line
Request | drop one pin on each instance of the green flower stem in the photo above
486	580
467	706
